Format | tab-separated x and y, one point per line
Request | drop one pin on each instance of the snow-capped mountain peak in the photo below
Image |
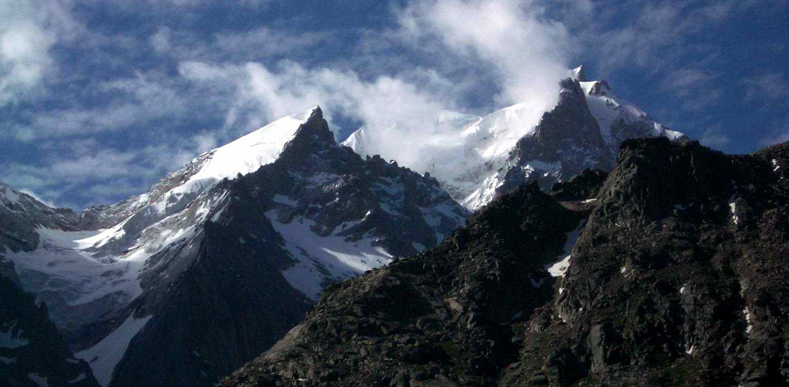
250	152
579	73
8	195
256	227
620	119
520	143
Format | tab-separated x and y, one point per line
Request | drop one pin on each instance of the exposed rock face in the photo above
232	300
446	314
583	186
677	278
21	214
215	302
477	160
31	350
567	139
206	270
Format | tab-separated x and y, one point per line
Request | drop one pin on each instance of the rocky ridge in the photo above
677	277
212	268
479	158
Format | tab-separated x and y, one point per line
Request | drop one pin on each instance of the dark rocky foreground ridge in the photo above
31	349
678	278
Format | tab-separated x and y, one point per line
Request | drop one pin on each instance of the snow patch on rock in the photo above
105	355
733	207
38	379
79	378
748	320
559	268
13	337
320	259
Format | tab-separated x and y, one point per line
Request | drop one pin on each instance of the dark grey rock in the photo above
31	345
669	285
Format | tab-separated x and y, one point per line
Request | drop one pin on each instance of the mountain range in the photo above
477	159
185	283
669	271
182	284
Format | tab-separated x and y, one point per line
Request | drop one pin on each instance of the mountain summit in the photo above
184	283
579	73
479	158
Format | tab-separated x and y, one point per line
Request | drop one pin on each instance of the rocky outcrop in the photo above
220	297
677	278
215	302
443	317
31	350
106	216
21	214
583	186
202	273
567	138
478	159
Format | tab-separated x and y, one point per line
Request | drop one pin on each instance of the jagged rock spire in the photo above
579	73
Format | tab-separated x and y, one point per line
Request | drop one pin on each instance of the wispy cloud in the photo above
130	102
715	137
101	175
28	31
257	44
160	41
528	51
770	87
154	83
650	35
697	89
253	90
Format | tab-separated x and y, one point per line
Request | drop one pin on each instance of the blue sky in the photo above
100	99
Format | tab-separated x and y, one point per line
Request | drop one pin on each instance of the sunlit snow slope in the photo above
288	200
98	271
479	158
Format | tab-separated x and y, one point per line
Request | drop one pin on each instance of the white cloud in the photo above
529	52
268	94
514	42
649	35
392	107
24	49
512	39
145	97
29	29
160	41
771	86
234	46
697	89
683	79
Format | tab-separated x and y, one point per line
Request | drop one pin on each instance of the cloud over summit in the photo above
121	80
